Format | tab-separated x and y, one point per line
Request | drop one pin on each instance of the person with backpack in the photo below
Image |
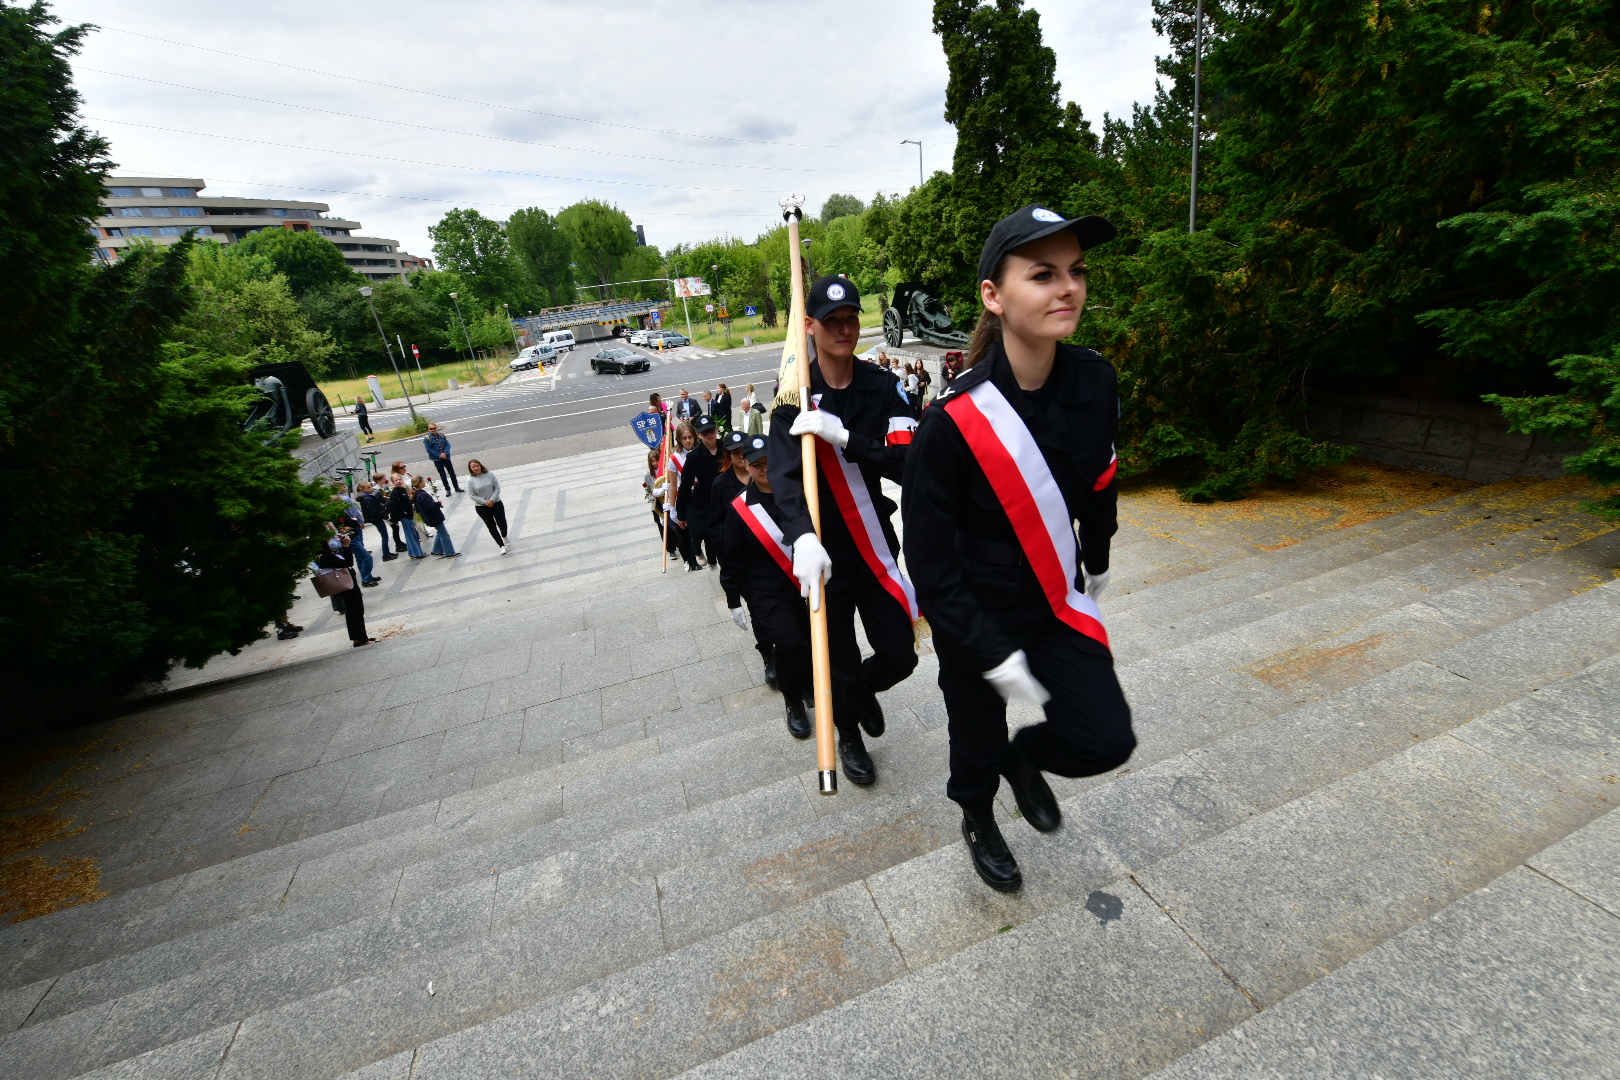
402	513
375	512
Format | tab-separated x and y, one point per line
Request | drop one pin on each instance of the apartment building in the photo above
161	209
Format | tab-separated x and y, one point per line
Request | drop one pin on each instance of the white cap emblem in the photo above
1041	213
835	292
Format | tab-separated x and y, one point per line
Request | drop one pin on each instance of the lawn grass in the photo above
341	392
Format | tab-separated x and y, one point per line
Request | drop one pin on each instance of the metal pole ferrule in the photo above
829	781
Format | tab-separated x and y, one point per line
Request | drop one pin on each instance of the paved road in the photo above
529	408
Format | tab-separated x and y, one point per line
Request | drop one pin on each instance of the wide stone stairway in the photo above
554	826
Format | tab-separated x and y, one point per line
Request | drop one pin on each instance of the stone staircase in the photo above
556	828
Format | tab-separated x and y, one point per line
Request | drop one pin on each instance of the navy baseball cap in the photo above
734	441
1033	223
703	424
756	448
830	293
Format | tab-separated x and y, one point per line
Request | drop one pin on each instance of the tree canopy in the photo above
307	260
601	236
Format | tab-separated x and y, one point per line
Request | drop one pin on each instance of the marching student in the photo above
698	474
732	481
863	427
759	568
680	541
1017	450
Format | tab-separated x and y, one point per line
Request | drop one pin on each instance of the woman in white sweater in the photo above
485	490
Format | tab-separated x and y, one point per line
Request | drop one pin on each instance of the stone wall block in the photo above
1450	439
1397	431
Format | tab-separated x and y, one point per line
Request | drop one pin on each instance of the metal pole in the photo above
389	349
918	143
1198	79
420	374
512	328
466	334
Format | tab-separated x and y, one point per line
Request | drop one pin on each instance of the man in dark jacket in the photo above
438	452
375	512
759	569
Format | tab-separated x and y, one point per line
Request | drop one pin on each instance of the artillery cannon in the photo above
289	396
917	309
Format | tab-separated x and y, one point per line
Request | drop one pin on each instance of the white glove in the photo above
823	425
660	489
1014	682
1095	583
811	565
740	617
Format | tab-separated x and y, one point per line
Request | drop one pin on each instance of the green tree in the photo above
476	248
544	250
601	236
838	206
307	260
98	589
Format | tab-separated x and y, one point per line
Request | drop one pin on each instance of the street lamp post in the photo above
918	142
365	291
809	266
466	334
506	308
1198	80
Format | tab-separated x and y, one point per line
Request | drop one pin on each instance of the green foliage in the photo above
488	330
248	315
543	250
601	236
142	526
838	206
475	247
1589	411
307	260
416	311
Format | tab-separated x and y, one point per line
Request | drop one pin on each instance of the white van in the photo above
534	356
561	340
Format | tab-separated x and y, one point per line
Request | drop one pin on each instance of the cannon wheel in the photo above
894	331
320	413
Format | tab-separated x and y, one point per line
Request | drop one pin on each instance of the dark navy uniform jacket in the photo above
692	498
962	555
751	572
880	424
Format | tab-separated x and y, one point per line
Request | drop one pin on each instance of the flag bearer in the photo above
759	568
1016	452
863	427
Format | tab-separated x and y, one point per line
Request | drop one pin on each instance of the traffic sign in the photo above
708	307
749	310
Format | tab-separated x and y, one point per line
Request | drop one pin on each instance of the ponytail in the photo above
986	336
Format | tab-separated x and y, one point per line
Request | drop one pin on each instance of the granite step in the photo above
1169	956
1516	979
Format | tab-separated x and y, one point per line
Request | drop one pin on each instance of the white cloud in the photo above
844	80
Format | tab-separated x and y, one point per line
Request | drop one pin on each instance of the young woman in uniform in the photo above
1018	450
680	541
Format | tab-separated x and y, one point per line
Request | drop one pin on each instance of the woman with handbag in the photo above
337	580
431	512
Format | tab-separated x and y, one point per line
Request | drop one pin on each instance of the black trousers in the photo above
703	542
782	629
447	473
680	543
494	520
365	423
353	605
854	588
1087	729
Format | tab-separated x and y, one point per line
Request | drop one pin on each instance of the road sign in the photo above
750	310
708	307
417	351
723	313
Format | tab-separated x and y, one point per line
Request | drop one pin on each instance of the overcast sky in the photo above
693	118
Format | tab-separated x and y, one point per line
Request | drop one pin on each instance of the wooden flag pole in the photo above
820	659
663	478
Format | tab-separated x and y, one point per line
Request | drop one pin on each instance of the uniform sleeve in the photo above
739	544
935	485
1099	516
787	475
683	494
886	454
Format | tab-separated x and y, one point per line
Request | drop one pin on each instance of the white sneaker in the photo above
505	550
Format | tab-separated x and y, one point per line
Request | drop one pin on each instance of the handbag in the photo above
328	582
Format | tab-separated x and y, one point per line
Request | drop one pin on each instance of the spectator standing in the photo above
402	512
352	603
722	410
363	419
686	408
753	414
352	524
374	509
432	513
924	381
438	452
485	490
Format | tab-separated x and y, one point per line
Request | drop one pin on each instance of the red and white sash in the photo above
768	533
1023	482
1107	476
861	517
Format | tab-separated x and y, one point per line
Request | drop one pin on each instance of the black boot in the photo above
872	715
857	762
995	864
798	721
1035	799
770	669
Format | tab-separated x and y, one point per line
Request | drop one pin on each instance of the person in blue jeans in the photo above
428	507
351	523
438	452
400	511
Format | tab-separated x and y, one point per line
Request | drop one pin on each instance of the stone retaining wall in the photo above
1469	441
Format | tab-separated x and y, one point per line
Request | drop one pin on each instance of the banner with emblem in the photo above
649	428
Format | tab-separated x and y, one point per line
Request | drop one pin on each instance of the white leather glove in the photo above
823	425
740	617
1095	583
811	565
660	489
1015	683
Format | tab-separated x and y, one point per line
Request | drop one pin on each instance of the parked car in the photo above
620	362
669	338
561	340
638	336
533	356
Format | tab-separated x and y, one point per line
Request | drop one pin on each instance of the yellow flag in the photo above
787	375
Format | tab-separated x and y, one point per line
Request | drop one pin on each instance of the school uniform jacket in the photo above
697	475
749	570
880	426
972	581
